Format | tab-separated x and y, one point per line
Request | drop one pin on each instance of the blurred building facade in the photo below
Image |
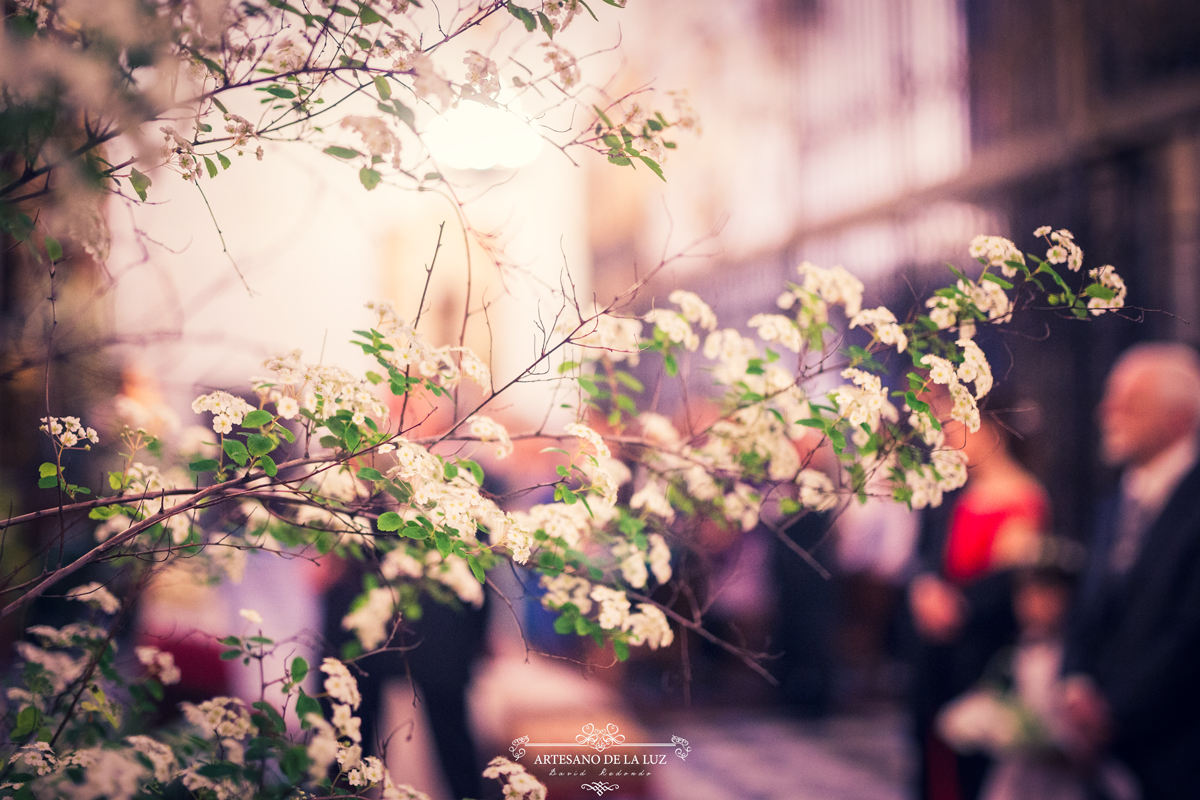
886	134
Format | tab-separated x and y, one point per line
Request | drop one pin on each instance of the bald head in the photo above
1151	401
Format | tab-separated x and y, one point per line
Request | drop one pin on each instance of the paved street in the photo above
747	757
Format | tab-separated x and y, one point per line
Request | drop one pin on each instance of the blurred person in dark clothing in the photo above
961	599
437	652
1133	647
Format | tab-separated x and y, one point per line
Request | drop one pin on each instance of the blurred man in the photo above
1133	683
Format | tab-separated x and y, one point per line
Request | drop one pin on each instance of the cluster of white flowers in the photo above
887	330
94	594
369	773
943	373
487	429
160	756
348	726
563	63
68	431
1107	277
518	784
323	747
694	309
816	490
996	251
591	437
242	131
618	338
482	75
819	289
649	626
1063	249
221	717
614	607
370	620
674	325
985	297
866	401
227	409
946	471
178	152
653	498
447	365
974	368
377	136
321	389
454	573
428	82
340	684
160	664
563	588
742	506
777	328
38	757
659	557
632	562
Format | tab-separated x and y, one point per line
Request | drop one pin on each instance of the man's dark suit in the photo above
1138	637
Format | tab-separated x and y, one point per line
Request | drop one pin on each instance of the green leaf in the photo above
230	655
1100	291
225	162
306	705
476	470
564	624
140	183
210	166
268	466
370	178
257	418
341	152
204	465
523	14
390	521
547	27
370	474
259	445
48	482
621	649
629	381
53	248
47	469
369	16
236	450
352	436
476	569
223	769
996	279
383	87
104	512
654	167
279	91
299	669
404	113
27	722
